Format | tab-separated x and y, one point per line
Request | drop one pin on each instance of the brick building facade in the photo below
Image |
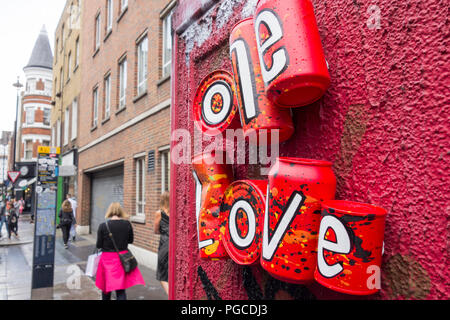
124	116
66	95
34	116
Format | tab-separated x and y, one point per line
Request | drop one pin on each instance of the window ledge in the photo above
108	33
96	51
138	219
139	97
162	80
105	120
122	14
94	128
76	68
120	110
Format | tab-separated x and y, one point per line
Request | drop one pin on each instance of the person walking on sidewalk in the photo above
161	227
66	219
110	274
13	221
21	206
3	220
73	202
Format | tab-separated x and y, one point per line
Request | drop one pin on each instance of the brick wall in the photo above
149	134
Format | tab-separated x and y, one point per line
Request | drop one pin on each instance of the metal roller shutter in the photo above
107	187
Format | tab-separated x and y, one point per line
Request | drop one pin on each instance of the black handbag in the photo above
129	262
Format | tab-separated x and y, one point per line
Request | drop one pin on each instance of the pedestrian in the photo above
13	222
73	202
3	220
110	274
161	227
21	206
66	219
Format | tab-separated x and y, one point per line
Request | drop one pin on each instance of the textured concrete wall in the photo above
383	123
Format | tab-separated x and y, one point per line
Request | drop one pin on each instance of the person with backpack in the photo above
66	219
13	222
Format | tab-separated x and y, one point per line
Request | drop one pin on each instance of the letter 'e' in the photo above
342	245
280	57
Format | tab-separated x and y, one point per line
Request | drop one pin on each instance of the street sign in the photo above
45	221
13	175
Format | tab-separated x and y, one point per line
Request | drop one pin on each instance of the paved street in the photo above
70	283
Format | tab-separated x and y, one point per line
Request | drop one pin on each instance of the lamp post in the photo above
17	85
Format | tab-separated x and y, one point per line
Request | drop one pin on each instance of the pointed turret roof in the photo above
42	56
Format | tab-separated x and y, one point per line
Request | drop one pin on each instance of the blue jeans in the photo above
3	221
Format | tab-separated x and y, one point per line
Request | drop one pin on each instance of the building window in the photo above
66	126
97	32
140	186
28	149
74	119
47	115
107	96
109	15
62	38
167	45
95	109
142	65
58	133
45	143
77	52
69	65
122	83
61	80
165	170
123	5
54	135
56	50
30	116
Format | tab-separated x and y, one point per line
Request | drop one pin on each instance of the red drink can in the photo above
292	60
215	106
291	225
350	247
244	204
211	180
257	112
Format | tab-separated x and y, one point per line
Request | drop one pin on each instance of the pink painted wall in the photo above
383	123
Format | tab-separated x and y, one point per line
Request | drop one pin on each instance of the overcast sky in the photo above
20	24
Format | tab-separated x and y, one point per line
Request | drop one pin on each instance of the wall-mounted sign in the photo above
24	170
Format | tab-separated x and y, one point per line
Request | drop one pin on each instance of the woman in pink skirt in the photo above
110	273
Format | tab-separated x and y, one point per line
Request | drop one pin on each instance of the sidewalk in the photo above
70	283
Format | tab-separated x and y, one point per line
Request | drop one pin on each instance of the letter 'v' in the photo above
270	244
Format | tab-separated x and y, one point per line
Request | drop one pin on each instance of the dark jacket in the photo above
13	217
66	218
2	210
122	232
